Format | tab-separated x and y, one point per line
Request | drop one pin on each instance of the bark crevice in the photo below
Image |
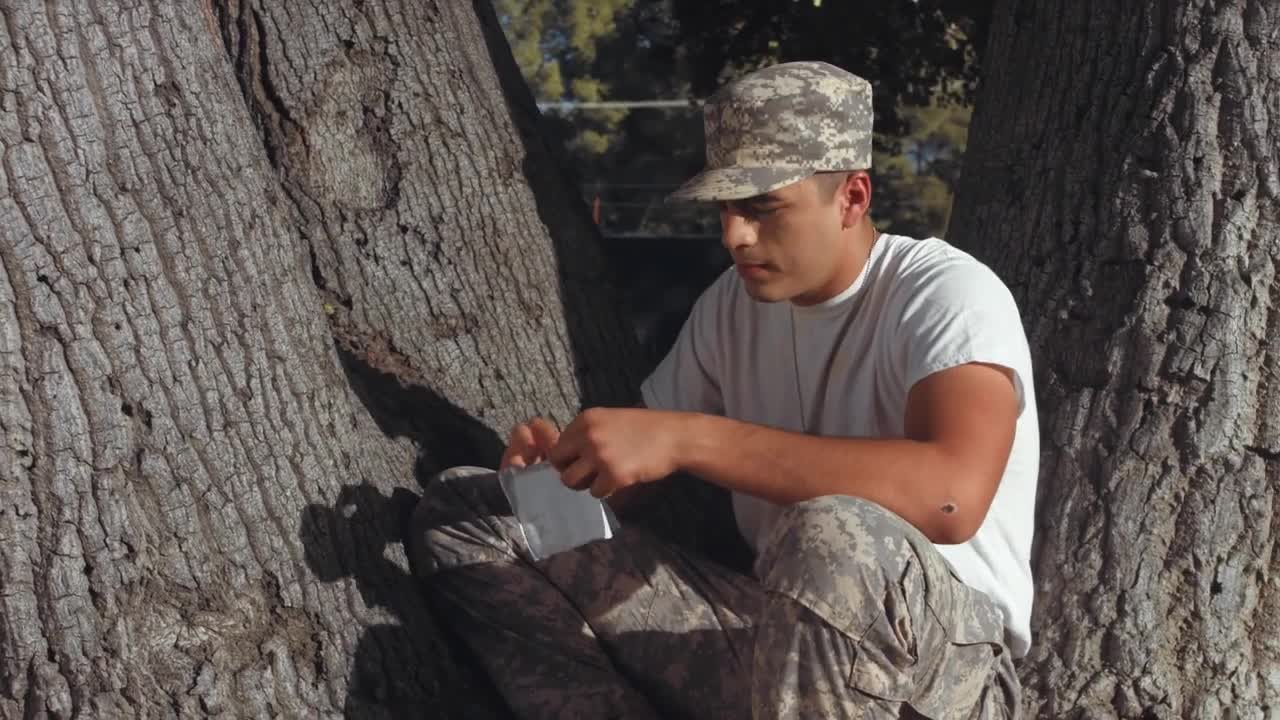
1142	250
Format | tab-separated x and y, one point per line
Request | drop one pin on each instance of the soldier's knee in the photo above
835	547
458	522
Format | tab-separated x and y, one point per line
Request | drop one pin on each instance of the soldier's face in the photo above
792	244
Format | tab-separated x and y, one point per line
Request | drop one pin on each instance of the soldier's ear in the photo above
855	198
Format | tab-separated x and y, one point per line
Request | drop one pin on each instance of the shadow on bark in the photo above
444	433
413	666
608	357
417	665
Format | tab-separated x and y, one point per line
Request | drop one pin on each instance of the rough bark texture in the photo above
259	267
412	168
1123	175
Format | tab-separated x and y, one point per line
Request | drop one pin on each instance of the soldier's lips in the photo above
754	271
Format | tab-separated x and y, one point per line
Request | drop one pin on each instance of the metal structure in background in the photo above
681	221
665	253
572	105
647	214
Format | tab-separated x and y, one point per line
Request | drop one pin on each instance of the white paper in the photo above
554	518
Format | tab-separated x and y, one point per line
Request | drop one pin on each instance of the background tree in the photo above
259	266
262	265
908	48
915	175
1122	175
625	160
555	43
921	56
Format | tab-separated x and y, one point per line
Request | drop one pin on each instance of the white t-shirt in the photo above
843	368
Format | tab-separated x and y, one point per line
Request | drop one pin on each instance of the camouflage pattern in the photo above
779	125
856	588
851	613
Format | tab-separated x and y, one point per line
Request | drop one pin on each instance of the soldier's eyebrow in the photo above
765	199
757	203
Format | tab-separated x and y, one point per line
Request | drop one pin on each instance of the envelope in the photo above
554	518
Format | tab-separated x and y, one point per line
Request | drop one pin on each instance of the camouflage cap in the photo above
780	125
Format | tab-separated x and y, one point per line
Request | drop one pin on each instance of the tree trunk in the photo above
1122	176
261	265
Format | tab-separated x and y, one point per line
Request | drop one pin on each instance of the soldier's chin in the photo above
765	292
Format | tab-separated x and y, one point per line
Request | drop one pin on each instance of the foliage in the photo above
921	58
920	55
556	43
914	186
911	50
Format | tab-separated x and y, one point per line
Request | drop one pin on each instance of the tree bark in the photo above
260	265
1122	176
404	137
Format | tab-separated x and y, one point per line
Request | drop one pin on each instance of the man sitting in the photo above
868	401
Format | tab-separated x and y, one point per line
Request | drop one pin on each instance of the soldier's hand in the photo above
530	442
606	450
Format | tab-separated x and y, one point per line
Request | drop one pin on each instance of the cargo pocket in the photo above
886	658
957	685
934	648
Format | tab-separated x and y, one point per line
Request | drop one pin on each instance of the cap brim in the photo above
736	183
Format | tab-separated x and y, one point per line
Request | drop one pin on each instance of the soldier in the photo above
866	398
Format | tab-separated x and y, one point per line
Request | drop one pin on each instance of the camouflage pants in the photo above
851	613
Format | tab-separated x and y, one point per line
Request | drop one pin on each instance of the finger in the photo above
513	442
580	475
567	448
604	486
517	447
543	435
